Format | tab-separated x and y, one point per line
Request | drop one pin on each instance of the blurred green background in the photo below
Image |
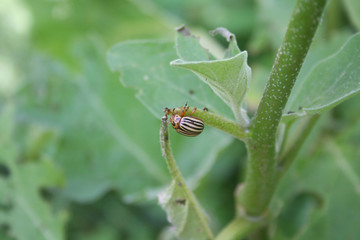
80	155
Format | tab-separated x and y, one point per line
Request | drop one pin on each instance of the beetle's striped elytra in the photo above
186	125
190	126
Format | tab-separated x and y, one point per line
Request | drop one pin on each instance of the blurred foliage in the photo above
80	155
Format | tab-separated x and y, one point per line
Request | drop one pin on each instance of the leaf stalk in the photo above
177	176
217	121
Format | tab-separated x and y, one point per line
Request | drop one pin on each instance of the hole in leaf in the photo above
181	201
46	193
5	205
4	171
5	230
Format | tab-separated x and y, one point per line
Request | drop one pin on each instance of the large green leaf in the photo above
106	138
319	196
228	77
22	207
96	147
144	65
330	82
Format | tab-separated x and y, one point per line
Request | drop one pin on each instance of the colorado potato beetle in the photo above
186	125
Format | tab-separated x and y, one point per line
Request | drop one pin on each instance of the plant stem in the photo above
178	178
261	181
222	123
238	228
217	121
288	158
285	135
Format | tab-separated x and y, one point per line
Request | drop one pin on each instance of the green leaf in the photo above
332	81
222	178
114	102
144	65
322	48
228	78
105	122
63	23
22	208
182	213
330	179
274	16
89	113
233	48
29	216
136	222
298	213
183	210
353	8
184	46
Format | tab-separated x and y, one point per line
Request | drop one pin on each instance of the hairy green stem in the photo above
178	178
239	228
261	176
217	121
221	123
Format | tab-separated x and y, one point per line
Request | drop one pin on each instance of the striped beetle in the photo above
186	125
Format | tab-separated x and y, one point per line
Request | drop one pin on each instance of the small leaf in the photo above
184	46
182	213
228	78
331	82
233	48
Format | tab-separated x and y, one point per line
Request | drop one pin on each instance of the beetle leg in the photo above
194	109
166	111
185	109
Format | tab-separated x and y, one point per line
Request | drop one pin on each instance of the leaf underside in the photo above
330	82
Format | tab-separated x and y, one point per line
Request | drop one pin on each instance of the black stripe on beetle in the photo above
192	123
191	126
